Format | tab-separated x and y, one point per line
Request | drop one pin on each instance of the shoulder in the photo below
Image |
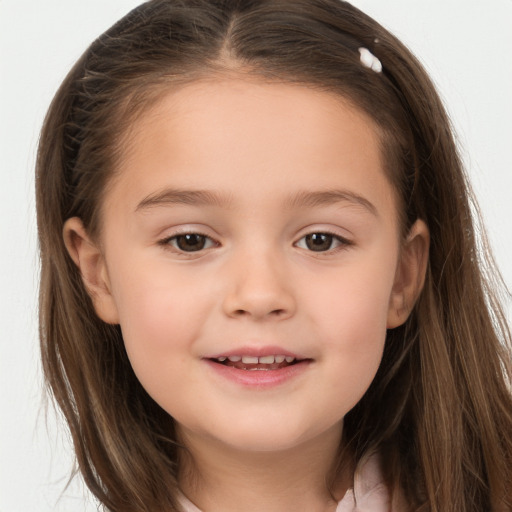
370	492
186	505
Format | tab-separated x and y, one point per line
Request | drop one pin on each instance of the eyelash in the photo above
208	242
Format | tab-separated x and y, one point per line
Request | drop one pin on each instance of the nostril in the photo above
274	312
243	304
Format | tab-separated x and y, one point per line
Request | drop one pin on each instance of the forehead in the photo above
252	138
246	101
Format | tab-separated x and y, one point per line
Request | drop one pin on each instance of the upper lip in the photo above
257	352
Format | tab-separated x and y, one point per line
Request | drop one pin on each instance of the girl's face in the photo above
250	223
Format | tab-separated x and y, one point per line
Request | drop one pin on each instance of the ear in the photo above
410	274
90	261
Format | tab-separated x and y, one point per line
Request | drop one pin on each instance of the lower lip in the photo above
259	378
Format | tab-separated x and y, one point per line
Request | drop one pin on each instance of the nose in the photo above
259	288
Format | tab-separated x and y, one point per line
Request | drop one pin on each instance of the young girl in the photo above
261	288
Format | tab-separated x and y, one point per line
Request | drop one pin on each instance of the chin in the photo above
277	436
267	444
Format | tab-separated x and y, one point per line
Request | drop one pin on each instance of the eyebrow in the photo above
330	197
178	196
304	199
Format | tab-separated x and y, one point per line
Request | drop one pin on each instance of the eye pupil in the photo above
319	241
191	242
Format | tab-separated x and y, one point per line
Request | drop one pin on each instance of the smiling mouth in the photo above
265	363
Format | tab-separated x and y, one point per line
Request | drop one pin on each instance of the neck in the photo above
218	478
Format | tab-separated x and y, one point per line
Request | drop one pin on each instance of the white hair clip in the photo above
369	60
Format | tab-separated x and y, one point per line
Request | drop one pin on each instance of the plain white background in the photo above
466	45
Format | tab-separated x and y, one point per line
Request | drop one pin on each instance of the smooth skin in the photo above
249	214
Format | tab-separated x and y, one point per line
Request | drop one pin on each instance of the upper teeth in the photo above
255	360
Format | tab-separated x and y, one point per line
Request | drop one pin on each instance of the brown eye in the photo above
319	241
322	242
190	242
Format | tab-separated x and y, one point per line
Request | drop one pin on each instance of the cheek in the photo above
353	304
351	320
160	318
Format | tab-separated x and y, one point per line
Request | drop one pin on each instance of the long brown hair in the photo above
439	410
